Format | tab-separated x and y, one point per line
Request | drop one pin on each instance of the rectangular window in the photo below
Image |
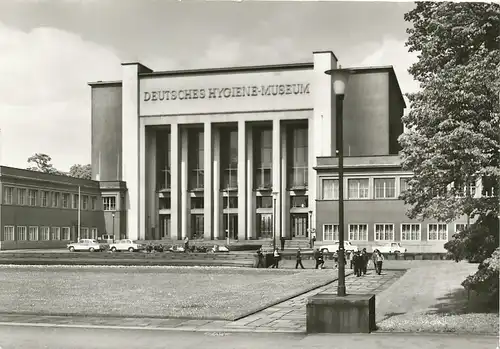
196	159
263	154
93	233
21	233
65	200
229	158
300	158
8	193
233	202
410	232
198	221
109	203
384	232
55	199
8	233
330	189
330	232
33	234
358	188
44	198
264	202
84	233
358	232
32	197
55	233
197	203
76	199
299	201
85	202
164	203
460	227
21	196
93	203
404	184
65	233
44	233
385	188
437	232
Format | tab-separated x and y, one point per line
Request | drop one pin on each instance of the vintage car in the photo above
334	247
126	245
393	247
90	245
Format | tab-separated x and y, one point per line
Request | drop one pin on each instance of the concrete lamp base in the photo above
329	313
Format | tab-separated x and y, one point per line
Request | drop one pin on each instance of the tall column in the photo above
151	193
250	193
312	178
142	189
174	181
241	181
277	175
285	194
207	178
184	208
217	211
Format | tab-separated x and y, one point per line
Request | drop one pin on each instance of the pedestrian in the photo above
374	259
276	258
380	260
260	258
186	244
358	264
318	256
282	240
299	259
313	238
366	259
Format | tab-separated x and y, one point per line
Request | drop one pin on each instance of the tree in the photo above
41	163
81	171
453	124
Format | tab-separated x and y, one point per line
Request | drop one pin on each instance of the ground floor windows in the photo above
330	232
44	233
165	226
384	232
55	233
358	232
232	220
93	233
33	234
8	233
265	225
65	233
21	233
460	227
197	226
410	232
84	233
437	232
299	224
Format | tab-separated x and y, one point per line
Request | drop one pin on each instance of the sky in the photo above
50	50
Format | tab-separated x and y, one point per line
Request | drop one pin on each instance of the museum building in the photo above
202	153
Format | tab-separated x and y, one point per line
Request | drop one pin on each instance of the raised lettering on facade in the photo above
226	92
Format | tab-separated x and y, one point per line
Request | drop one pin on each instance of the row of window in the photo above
35	233
296	201
385	232
383	188
45	198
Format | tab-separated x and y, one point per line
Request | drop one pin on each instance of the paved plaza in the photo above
288	316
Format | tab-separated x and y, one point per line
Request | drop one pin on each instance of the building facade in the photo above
205	153
40	210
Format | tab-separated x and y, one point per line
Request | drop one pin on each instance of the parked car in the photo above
393	247
335	247
126	245
84	245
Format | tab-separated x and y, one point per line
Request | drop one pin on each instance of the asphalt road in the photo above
28	337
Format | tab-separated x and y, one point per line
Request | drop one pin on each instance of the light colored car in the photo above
126	245
393	247
335	247
84	245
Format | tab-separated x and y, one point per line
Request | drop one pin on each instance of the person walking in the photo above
299	259
186	244
374	259
318	256
260	258
366	259
276	257
379	260
358	264
282	240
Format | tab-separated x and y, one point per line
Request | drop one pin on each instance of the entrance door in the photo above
265	225
165	226
233	225
299	225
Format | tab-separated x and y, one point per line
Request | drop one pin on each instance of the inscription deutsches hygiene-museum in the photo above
226	92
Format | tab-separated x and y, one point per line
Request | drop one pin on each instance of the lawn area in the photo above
429	298
197	292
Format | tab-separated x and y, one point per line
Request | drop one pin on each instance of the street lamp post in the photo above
309	228
228	221
275	194
113	215
340	78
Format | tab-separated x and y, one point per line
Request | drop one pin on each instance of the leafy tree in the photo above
41	163
453	124
81	171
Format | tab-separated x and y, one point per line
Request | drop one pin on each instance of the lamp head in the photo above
340	78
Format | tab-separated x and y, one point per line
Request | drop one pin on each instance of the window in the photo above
404	184
263	150
33	234
330	232
264	202
65	233
229	158
299	201
460	227
358	188
32	197
93	233
55	233
85	202
84	233
164	203
21	233
93	203
65	200
197	203
437	232
8	195
196	159
298	176
55	199
8	233
358	232
384	232
21	196
197	230
44	198
233	202
109	203
44	233
410	232
330	189
385	188
76	199
467	190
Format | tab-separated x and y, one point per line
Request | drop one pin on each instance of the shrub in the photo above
486	280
